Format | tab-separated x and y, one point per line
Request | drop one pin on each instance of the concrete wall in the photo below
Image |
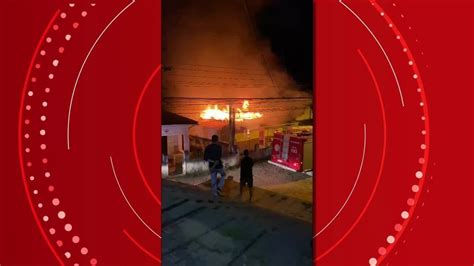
198	167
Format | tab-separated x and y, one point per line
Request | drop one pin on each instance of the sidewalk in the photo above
281	203
229	232
265	175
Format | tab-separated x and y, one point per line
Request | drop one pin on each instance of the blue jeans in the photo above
214	184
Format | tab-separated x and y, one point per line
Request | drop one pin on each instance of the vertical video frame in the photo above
237	132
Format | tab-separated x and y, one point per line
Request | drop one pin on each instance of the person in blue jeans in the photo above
213	155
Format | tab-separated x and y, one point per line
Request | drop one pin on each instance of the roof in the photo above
168	118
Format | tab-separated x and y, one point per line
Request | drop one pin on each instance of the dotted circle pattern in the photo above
49	207
419	174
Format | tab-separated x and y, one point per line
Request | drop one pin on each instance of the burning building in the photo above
226	70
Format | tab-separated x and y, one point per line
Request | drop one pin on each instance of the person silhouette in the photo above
213	155
246	174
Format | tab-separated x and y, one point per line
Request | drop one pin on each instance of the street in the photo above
228	232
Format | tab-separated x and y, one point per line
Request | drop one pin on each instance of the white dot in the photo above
43	146
61	215
398	37
84	251
28	107
35	192
42	52
410	63
43	118
51	76
68	227
423	118
419	174
45	218
382	14
423	132
423	146
40	205
45	104
405	50
27	136
72	4
415	188
75	239
32	178
373	261
63	15
422	104
415	76
48	40
390	25
67	37
52	231
55	201
84	13
405	215
390	239
47	174
67	254
47	90
30	93
42	132
55	62
418	90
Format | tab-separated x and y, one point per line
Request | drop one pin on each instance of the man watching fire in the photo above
213	155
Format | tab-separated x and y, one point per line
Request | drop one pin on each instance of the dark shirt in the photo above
213	155
246	167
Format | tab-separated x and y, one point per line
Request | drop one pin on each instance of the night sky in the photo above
288	25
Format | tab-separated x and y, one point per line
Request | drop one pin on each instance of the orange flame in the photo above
214	113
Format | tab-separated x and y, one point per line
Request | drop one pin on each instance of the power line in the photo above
238	98
216	71
209	84
252	29
222	67
211	77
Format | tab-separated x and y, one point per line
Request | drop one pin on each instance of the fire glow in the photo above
214	113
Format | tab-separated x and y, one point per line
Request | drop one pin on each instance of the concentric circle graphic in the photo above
87	120
358	209
51	169
49	213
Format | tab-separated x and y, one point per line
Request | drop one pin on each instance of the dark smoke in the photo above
288	24
232	49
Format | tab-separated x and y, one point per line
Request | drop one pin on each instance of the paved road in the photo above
197	232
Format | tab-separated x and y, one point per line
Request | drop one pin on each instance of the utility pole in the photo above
231	129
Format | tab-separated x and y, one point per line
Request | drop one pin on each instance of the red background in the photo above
441	41
129	54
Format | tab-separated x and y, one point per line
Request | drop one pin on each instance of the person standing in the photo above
213	155
246	174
